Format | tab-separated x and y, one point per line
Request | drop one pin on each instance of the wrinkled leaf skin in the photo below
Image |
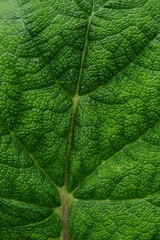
79	120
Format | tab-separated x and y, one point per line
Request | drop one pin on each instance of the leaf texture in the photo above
79	120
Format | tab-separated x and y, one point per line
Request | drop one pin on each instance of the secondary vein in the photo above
36	163
34	159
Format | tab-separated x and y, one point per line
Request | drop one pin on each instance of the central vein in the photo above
65	196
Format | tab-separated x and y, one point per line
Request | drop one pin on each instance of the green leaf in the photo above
80	120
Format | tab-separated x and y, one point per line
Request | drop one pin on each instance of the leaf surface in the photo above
80	120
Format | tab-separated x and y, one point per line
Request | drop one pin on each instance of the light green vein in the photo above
33	158
33	224
12	134
18	203
75	100
114	155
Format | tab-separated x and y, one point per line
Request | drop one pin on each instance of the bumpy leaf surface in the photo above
80	119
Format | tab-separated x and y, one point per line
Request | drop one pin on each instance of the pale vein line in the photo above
17	202
114	155
34	159
146	198
30	155
75	100
31	224
85	49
